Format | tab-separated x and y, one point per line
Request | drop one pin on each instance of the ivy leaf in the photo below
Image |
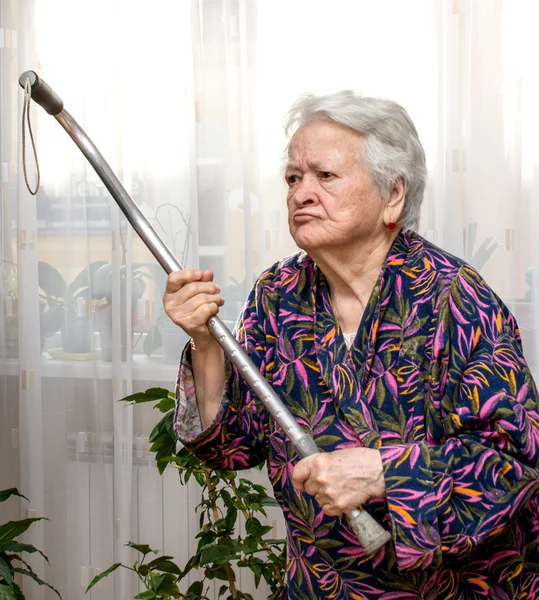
257	570
226	475
231	518
155	581
162	428
255	528
206	538
219	572
165	404
221	553
147	595
199	479
102	575
195	589
250	545
192	563
142	548
269	501
164	565
141	569
150	395
164	448
168	586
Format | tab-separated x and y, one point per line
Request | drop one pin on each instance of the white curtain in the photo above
186	102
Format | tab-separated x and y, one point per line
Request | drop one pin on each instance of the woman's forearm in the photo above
208	363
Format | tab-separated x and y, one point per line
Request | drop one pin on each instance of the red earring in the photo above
391	226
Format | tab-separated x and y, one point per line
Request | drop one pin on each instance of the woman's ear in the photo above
395	202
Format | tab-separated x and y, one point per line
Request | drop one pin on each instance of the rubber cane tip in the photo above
377	543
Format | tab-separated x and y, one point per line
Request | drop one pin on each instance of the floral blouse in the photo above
436	380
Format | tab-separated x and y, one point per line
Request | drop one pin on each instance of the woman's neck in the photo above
351	275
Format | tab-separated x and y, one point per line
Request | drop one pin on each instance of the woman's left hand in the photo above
341	480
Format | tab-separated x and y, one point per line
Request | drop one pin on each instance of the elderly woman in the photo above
397	357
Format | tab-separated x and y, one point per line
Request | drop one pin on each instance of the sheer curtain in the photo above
186	101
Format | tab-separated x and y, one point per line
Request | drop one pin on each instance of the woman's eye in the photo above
291	179
326	175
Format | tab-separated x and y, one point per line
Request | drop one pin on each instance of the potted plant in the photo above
69	305
102	291
164	333
221	546
11	562
50	322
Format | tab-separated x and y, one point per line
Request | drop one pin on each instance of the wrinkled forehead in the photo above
322	141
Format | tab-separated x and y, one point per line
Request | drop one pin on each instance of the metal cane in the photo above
370	533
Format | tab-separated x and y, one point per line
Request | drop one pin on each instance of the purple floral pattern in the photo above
436	380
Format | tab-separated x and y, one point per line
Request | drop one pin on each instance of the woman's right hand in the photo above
190	299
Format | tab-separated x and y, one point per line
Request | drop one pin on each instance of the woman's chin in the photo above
304	243
312	240
315	248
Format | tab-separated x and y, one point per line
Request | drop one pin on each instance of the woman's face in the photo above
332	200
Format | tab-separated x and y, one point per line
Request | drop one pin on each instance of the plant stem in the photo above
246	515
230	574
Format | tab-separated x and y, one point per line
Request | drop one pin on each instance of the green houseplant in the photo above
225	496
69	305
164	333
49	321
102	291
11	562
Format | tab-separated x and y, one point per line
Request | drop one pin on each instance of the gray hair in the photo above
390	148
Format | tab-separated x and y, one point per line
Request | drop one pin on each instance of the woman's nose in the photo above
305	191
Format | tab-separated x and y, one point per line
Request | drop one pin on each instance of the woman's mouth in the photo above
302	217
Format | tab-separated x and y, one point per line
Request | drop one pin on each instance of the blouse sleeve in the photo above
449	495
237	439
